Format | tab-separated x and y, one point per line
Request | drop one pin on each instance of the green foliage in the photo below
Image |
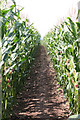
62	46
19	41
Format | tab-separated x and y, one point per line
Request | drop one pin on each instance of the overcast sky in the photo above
46	13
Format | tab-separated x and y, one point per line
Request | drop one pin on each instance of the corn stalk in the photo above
0	71
79	52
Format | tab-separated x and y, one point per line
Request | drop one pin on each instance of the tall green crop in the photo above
62	46
19	41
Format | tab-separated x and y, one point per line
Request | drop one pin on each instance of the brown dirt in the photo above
40	98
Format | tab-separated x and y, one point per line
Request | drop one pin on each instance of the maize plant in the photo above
19	41
62	46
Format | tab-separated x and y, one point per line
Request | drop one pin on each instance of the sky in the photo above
47	13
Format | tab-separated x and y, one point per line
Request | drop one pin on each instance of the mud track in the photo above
40	98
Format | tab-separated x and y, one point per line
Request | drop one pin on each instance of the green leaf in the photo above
78	24
72	27
4	12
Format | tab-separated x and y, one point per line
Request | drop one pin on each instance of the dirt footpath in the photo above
40	98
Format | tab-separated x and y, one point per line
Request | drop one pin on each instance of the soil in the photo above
40	98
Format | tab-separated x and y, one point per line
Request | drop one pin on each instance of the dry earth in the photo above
40	98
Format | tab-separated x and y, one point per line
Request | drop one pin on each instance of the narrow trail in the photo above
40	98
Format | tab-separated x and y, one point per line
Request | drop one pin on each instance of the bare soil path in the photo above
40	98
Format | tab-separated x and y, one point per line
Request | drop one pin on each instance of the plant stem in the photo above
79	51
0	69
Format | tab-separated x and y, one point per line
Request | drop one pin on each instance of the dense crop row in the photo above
62	46
19	41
